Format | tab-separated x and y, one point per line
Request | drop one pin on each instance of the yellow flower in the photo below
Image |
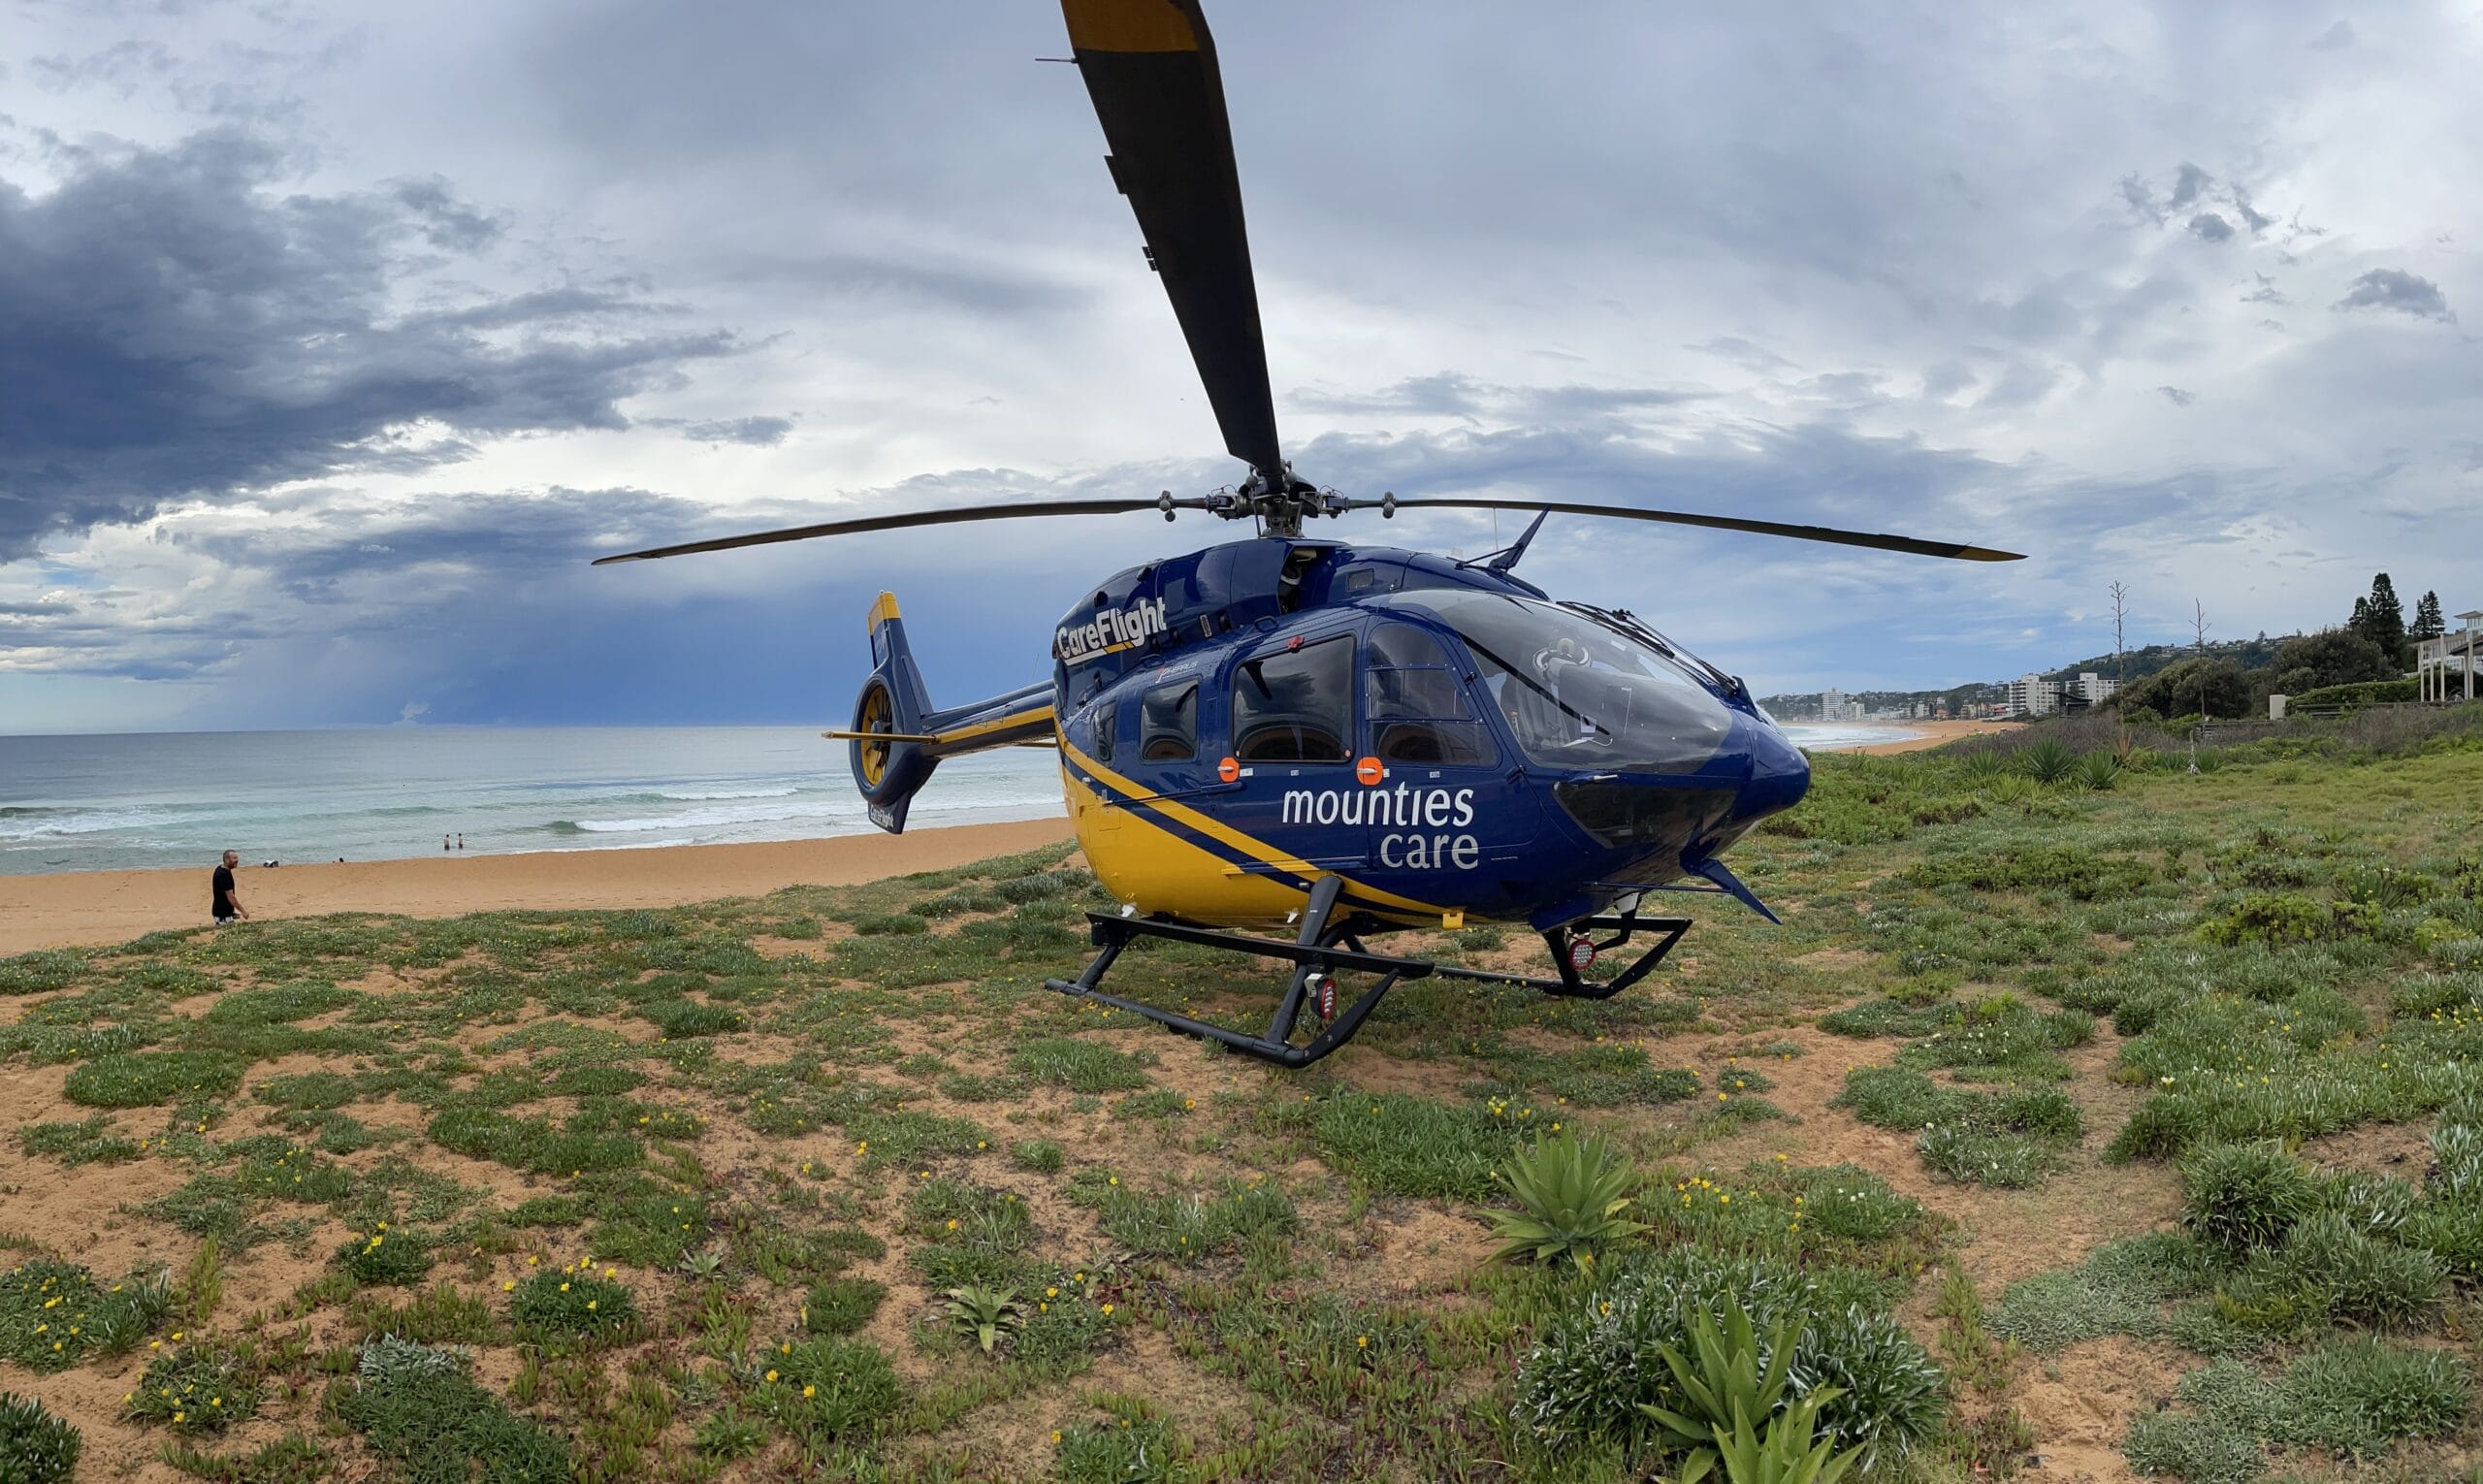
589	1304
1056	1434
771	1374
508	1287
181	1416
1051	1293
810	1391
1108	1308
1361	1342
564	1288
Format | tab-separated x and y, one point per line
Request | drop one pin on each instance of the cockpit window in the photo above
1578	694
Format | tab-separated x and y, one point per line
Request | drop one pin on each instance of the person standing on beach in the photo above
226	905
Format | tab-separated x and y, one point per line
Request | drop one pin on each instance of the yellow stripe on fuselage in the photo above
1225	835
1027	718
882	611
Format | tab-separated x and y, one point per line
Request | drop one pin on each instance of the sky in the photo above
336	340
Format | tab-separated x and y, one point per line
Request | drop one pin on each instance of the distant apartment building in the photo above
2094	689
1836	706
2033	696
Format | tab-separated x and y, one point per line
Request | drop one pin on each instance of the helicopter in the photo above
1290	731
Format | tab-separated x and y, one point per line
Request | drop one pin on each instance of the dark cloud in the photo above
445	222
171	327
2394	288
2189	185
2265	292
2177	395
2211	227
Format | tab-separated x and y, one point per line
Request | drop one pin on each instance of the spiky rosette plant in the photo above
1571	1195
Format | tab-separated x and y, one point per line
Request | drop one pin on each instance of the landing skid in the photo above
1326	944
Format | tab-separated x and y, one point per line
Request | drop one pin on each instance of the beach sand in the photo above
107	907
88	908
1933	733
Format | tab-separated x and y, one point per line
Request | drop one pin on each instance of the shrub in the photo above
1728	1380
2098	770
1570	1196
989	1316
829	1388
2047	762
842	1306
140	1078
1600	1358
684	1019
202	1389
384	1256
571	1304
2363	1278
417	1405
2359	1396
42	1301
2196	1449
35	1447
2244	1195
1041	1155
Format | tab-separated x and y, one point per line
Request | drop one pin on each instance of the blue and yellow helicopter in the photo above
1289	732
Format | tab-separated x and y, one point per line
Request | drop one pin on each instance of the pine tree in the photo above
2360	623
2385	619
2428	622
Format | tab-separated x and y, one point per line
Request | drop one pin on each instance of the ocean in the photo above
179	799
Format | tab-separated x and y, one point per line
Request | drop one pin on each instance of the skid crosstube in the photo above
1325	947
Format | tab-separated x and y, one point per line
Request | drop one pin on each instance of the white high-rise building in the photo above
2094	689
2033	696
1836	706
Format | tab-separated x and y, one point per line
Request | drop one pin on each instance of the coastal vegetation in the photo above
2082	1107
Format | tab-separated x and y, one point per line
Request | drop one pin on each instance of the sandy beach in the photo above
105	907
1929	734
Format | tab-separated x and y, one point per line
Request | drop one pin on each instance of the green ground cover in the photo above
824	1183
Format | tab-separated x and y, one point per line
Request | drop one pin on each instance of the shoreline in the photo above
1924	734
90	909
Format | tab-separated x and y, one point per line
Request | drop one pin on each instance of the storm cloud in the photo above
2391	288
173	325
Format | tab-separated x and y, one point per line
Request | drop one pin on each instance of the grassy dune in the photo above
2129	1119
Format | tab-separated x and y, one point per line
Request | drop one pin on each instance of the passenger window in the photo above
1167	726
1108	721
1297	705
1418	708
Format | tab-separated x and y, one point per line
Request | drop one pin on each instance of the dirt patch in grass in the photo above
2079	1404
2401	1149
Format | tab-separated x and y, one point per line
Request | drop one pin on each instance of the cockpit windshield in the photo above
1579	693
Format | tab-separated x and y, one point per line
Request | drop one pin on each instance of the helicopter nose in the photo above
1779	774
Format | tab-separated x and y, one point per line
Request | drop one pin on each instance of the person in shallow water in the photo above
225	901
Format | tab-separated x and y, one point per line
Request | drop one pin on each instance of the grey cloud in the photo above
2251	216
2394	288
1453	394
2139	197
2211	227
757	432
2177	395
171	328
2189	185
447	223
2265	292
1947	379
2336	38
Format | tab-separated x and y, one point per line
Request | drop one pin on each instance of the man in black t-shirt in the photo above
227	904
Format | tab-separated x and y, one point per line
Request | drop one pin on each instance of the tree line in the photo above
2371	651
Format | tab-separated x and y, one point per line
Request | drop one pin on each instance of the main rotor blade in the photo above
899	523
1150	66
1873	539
